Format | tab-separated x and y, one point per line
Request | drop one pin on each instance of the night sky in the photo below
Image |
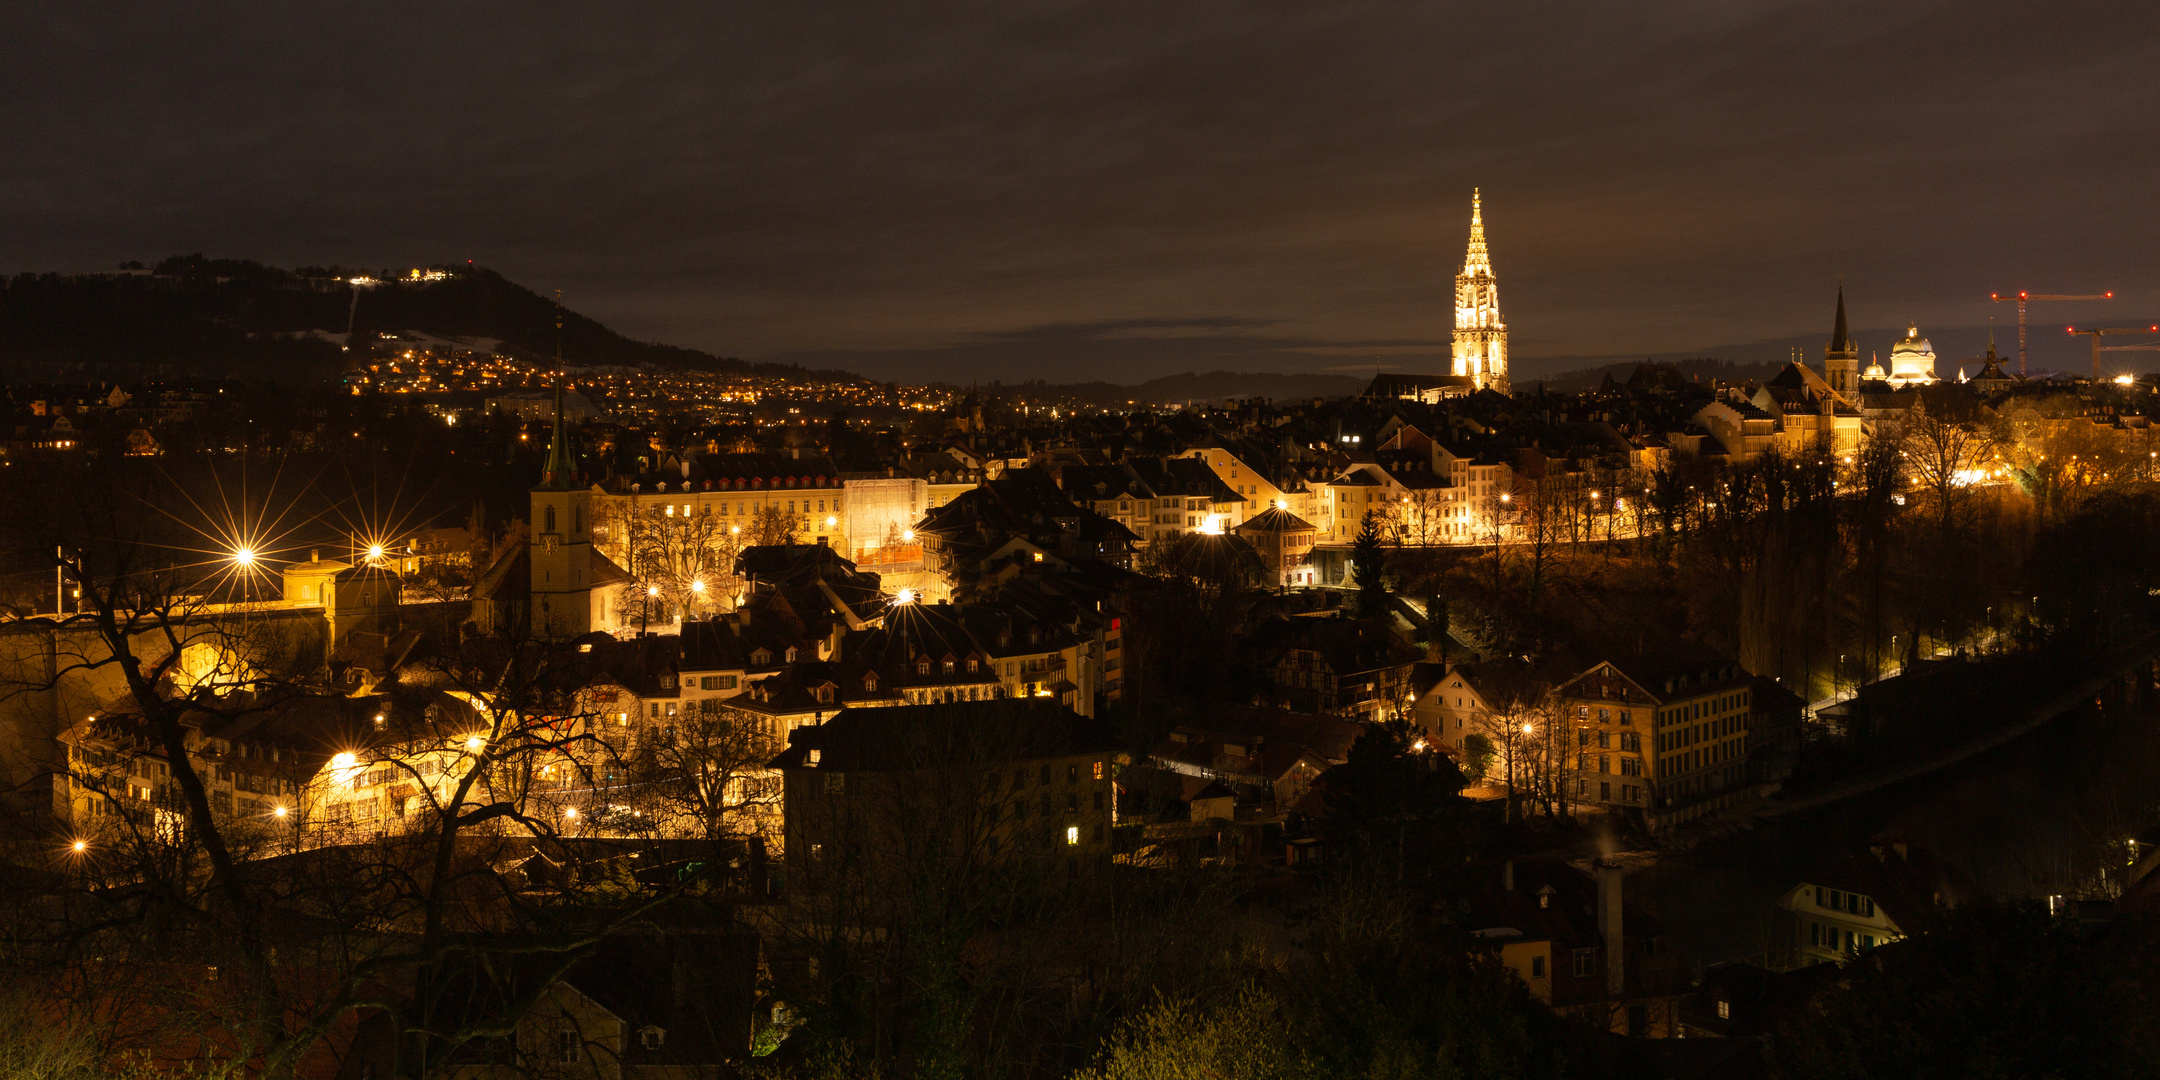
1069	191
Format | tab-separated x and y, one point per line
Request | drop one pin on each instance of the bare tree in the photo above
679	564
264	849
771	526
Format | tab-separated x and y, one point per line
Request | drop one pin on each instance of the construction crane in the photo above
2026	298
2098	332
2126	377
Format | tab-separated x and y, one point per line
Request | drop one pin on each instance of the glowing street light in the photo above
904	596
474	742
653	590
80	846
697	585
278	812
244	557
375	552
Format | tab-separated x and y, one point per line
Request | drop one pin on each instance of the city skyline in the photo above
916	198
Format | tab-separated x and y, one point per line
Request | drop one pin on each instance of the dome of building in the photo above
1912	359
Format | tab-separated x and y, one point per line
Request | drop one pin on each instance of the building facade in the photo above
1659	736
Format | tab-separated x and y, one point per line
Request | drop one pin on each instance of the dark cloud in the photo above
914	185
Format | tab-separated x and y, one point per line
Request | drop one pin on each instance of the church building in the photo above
558	586
1480	332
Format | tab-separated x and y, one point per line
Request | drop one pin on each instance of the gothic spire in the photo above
1840	340
1478	262
558	474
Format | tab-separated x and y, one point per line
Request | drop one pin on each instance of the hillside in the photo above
229	317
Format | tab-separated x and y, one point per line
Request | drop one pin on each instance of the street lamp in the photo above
244	557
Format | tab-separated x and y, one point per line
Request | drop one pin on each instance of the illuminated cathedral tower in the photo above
1480	332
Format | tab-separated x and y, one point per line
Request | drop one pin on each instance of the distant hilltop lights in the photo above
415	274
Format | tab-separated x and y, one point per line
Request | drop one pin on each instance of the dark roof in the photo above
905	737
1913	887
1568	920
1276	519
1348	645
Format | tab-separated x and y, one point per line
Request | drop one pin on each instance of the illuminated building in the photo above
562	561
1912	360
1480	332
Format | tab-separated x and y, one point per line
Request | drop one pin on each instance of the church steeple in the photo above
1841	360
1477	262
1480	352
558	474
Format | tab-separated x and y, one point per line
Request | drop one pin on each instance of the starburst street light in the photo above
244	558
904	596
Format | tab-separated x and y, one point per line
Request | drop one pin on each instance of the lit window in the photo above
1724	1010
1072	835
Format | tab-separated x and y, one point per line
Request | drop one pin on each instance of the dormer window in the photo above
922	666
948	667
652	1038
869	682
971	665
792	653
825	694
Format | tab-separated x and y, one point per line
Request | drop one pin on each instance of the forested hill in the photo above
232	317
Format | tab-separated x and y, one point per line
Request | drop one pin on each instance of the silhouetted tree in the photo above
1368	568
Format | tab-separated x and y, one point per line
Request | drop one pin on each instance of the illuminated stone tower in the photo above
1841	361
1480	332
561	543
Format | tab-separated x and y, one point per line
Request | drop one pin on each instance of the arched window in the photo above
550	520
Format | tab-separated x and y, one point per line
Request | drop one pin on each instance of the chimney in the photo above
1507	875
1609	927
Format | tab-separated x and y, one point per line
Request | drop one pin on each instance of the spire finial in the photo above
1477	262
556	474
